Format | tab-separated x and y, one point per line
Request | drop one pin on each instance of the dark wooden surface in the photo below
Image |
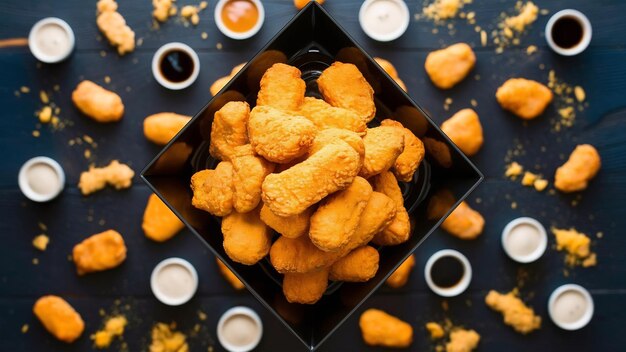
601	70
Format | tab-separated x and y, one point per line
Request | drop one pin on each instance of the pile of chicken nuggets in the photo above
312	171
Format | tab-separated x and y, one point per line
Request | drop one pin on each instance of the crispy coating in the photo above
412	155
377	215
59	318
331	135
383	145
583	165
381	329
399	229
229	129
159	222
162	127
213	190
281	88
343	85
115	174
524	97
98	103
299	255
400	277
102	251
465	130
292	226
324	115
449	66
278	136
305	288
246	238
292	191
388	67
336	219
299	4
229	276
516	314
360	265
249	171
462	340
114	27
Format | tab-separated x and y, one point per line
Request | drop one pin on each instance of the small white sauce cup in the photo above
584	320
162	297
239	35
537	252
36	51
245	311
584	42
387	37
461	286
31	194
158	56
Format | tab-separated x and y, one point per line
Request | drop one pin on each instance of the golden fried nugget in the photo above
464	222
232	279
229	129
412	155
113	327
383	145
331	169
377	215
462	340
98	103
381	329
246	238
162	127
435	330
360	265
114	27
583	165
524	97
59	318
324	115
576	244
400	276
115	174
343	85
305	288
102	251
391	71
162	9
399	229
159	222
281	88
516	314
299	255
465	130
213	190
299	4
331	135
449	66
291	226
249	171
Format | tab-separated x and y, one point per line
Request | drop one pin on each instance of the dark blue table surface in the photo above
601	70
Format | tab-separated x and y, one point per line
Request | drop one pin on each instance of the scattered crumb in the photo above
24	328
43	96
115	174
599	235
219	46
576	245
24	89
202	315
41	242
443	9
35	261
540	184
483	38
114	327
531	49
165	338
103	53
462	340
515	313
447	103
204	35
36	133
579	92
474	103
568	100
107	79
513	170
191	12
512	28
435	330
514	205
45	114
529	178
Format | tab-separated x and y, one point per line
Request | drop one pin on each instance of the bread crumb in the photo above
107	79
24	89
540	184
41	242
115	174
483	38
204	35
43	96
529	178
443	9
527	15
531	49
513	170
511	28
45	115
435	330
218	46
35	261
165	338
202	315
114	327
163	9
24	328
36	133
576	245
579	92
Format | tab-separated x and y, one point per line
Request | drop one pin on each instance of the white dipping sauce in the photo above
240	330
523	240
383	17
569	307
42	179
53	40
175	281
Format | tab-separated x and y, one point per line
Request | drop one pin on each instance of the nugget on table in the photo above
213	190
581	166
465	130
360	265
102	251
246	238
381	329
299	255
401	275
162	127
412	155
305	288
383	145
464	222
343	85
249	171
159	222
449	66
100	104
399	229
281	88
229	129
291	226
114	27
59	318
524	97
324	115
515	313
462	340
116	174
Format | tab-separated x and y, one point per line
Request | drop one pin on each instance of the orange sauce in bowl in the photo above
240	15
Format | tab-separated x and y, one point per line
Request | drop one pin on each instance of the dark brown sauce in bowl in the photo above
567	32
176	66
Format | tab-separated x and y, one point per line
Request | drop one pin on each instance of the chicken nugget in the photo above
412	155
291	226
377	215
305	288
581	166
401	275
336	219
114	27
465	130
116	174
383	145
213	190
162	127
324	115
399	229
281	88
331	135
464	222
524	97
229	129
159	222
59	318
360	265
246	238
449	66
249	171
381	329
515	313
343	85
232	279
102	251
299	255
99	104
462	340
292	191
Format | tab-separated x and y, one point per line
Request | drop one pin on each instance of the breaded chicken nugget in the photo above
98	103
213	190
232	279
162	127
381	329
114	27
59	318
524	97
99	252
462	340
299	255
115	174
377	215
516	314
305	288
281	88
464	222
246	238
290	226
159	222
400	228
336	219
583	165
344	86
383	145
465	130
331	169
412	155
448	66
324	115
401	275
278	136
229	129
360	265
331	135
249	171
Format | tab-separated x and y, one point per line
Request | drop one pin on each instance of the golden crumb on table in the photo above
114	27
305	288
326	116
246	238
163	9
281	88
299	4
190	13
115	174
59	318
576	245
540	184
165	338
465	130
443	9
515	313
381	329
160	128
360	265
45	114
159	222
435	330
383	145
114	327
102	251
213	190
529	178
513	170
583	165
98	103
41	242
528	14
399	230
229	129
462	340
291	226
400	276
229	276
343	85
579	92
523	97
412	155
449	66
